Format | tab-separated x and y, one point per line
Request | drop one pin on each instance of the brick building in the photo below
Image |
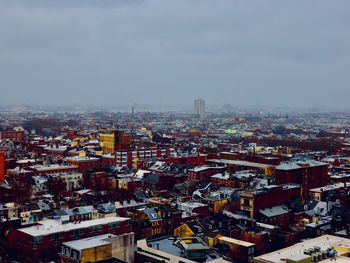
129	157
58	150
15	136
188	160
309	174
272	195
42	169
43	241
85	163
51	169
203	173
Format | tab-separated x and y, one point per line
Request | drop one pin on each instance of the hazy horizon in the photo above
168	53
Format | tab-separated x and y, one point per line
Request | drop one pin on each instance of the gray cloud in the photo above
293	53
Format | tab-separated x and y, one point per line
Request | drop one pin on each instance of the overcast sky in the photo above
294	53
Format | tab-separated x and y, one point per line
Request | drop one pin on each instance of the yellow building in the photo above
246	203
96	215
97	248
123	183
183	231
107	142
135	163
282	150
146	131
187	230
30	216
217	205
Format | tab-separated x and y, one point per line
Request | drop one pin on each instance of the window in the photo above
246	201
112	225
77	233
36	241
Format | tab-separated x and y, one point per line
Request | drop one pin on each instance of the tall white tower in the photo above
199	107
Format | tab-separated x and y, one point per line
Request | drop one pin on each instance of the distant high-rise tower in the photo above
199	107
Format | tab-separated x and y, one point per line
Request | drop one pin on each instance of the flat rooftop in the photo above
191	204
229	240
47	227
24	161
203	168
82	158
241	163
297	250
329	187
225	176
59	148
44	167
89	242
340	176
293	165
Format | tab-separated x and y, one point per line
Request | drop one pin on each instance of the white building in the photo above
199	107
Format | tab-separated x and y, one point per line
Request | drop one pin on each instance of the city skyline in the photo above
147	131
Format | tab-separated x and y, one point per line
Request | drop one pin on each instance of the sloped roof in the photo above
152	214
274	211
